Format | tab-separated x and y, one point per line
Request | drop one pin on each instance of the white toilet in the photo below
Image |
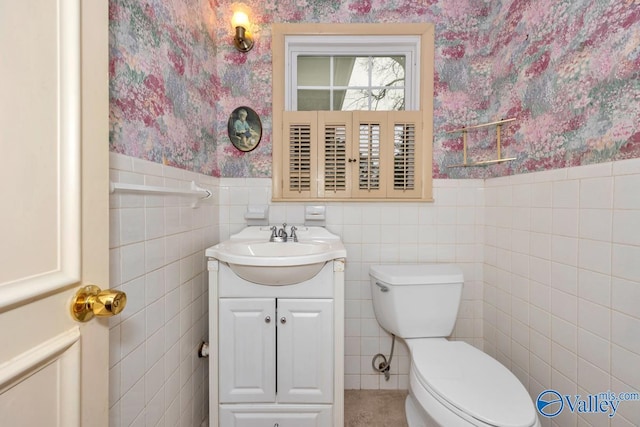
451	383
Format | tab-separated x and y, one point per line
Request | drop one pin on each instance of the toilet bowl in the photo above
451	383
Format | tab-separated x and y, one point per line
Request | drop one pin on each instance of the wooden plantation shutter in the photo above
406	176
300	132
334	153
370	150
352	154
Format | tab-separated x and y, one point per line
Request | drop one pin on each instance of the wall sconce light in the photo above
243	41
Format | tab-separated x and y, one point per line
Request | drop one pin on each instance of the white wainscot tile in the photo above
626	226
132	261
594	318
624	366
596	193
564	333
541	219
564	277
626	194
542	195
625	262
564	361
596	224
595	287
566	194
595	255
591	378
594	349
565	222
564	250
624	331
625	296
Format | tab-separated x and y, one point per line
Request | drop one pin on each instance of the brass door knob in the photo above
92	301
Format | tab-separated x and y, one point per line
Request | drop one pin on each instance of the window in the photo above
352	111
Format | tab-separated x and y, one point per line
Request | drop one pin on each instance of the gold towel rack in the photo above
498	124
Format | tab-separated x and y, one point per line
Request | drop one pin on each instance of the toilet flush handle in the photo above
383	288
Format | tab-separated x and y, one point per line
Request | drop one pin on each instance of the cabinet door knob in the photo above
267	319
283	319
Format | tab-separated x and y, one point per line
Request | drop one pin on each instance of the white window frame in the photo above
351	45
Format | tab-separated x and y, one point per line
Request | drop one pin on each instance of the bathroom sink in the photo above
253	257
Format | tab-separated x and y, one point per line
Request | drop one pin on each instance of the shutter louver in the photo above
335	158
299	157
404	156
369	156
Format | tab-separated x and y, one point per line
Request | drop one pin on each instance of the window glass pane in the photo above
350	100
371	82
343	67
314	70
351	71
313	100
387	99
387	71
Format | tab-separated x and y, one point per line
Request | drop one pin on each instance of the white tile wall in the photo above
157	257
570	316
448	230
552	285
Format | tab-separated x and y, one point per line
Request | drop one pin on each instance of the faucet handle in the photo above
293	234
274	230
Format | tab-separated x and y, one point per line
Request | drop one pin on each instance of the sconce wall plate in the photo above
243	40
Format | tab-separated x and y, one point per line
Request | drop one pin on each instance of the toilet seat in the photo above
470	383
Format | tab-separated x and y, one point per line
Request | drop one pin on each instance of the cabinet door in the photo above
247	350
305	351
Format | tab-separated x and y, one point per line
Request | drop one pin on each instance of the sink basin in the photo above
251	256
271	253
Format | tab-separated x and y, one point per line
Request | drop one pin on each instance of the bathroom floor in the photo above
374	408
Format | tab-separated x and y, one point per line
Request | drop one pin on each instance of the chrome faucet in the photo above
281	235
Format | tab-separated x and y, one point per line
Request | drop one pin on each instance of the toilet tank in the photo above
416	300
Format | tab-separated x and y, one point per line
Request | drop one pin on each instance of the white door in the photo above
54	210
305	350
247	358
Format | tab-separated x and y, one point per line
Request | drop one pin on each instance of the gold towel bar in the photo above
499	158
499	122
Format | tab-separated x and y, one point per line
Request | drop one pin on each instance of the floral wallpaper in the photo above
568	71
162	62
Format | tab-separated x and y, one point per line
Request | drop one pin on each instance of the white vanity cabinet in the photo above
276	352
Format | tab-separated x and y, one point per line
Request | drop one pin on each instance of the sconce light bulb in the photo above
240	19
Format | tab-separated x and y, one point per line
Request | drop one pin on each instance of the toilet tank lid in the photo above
415	274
